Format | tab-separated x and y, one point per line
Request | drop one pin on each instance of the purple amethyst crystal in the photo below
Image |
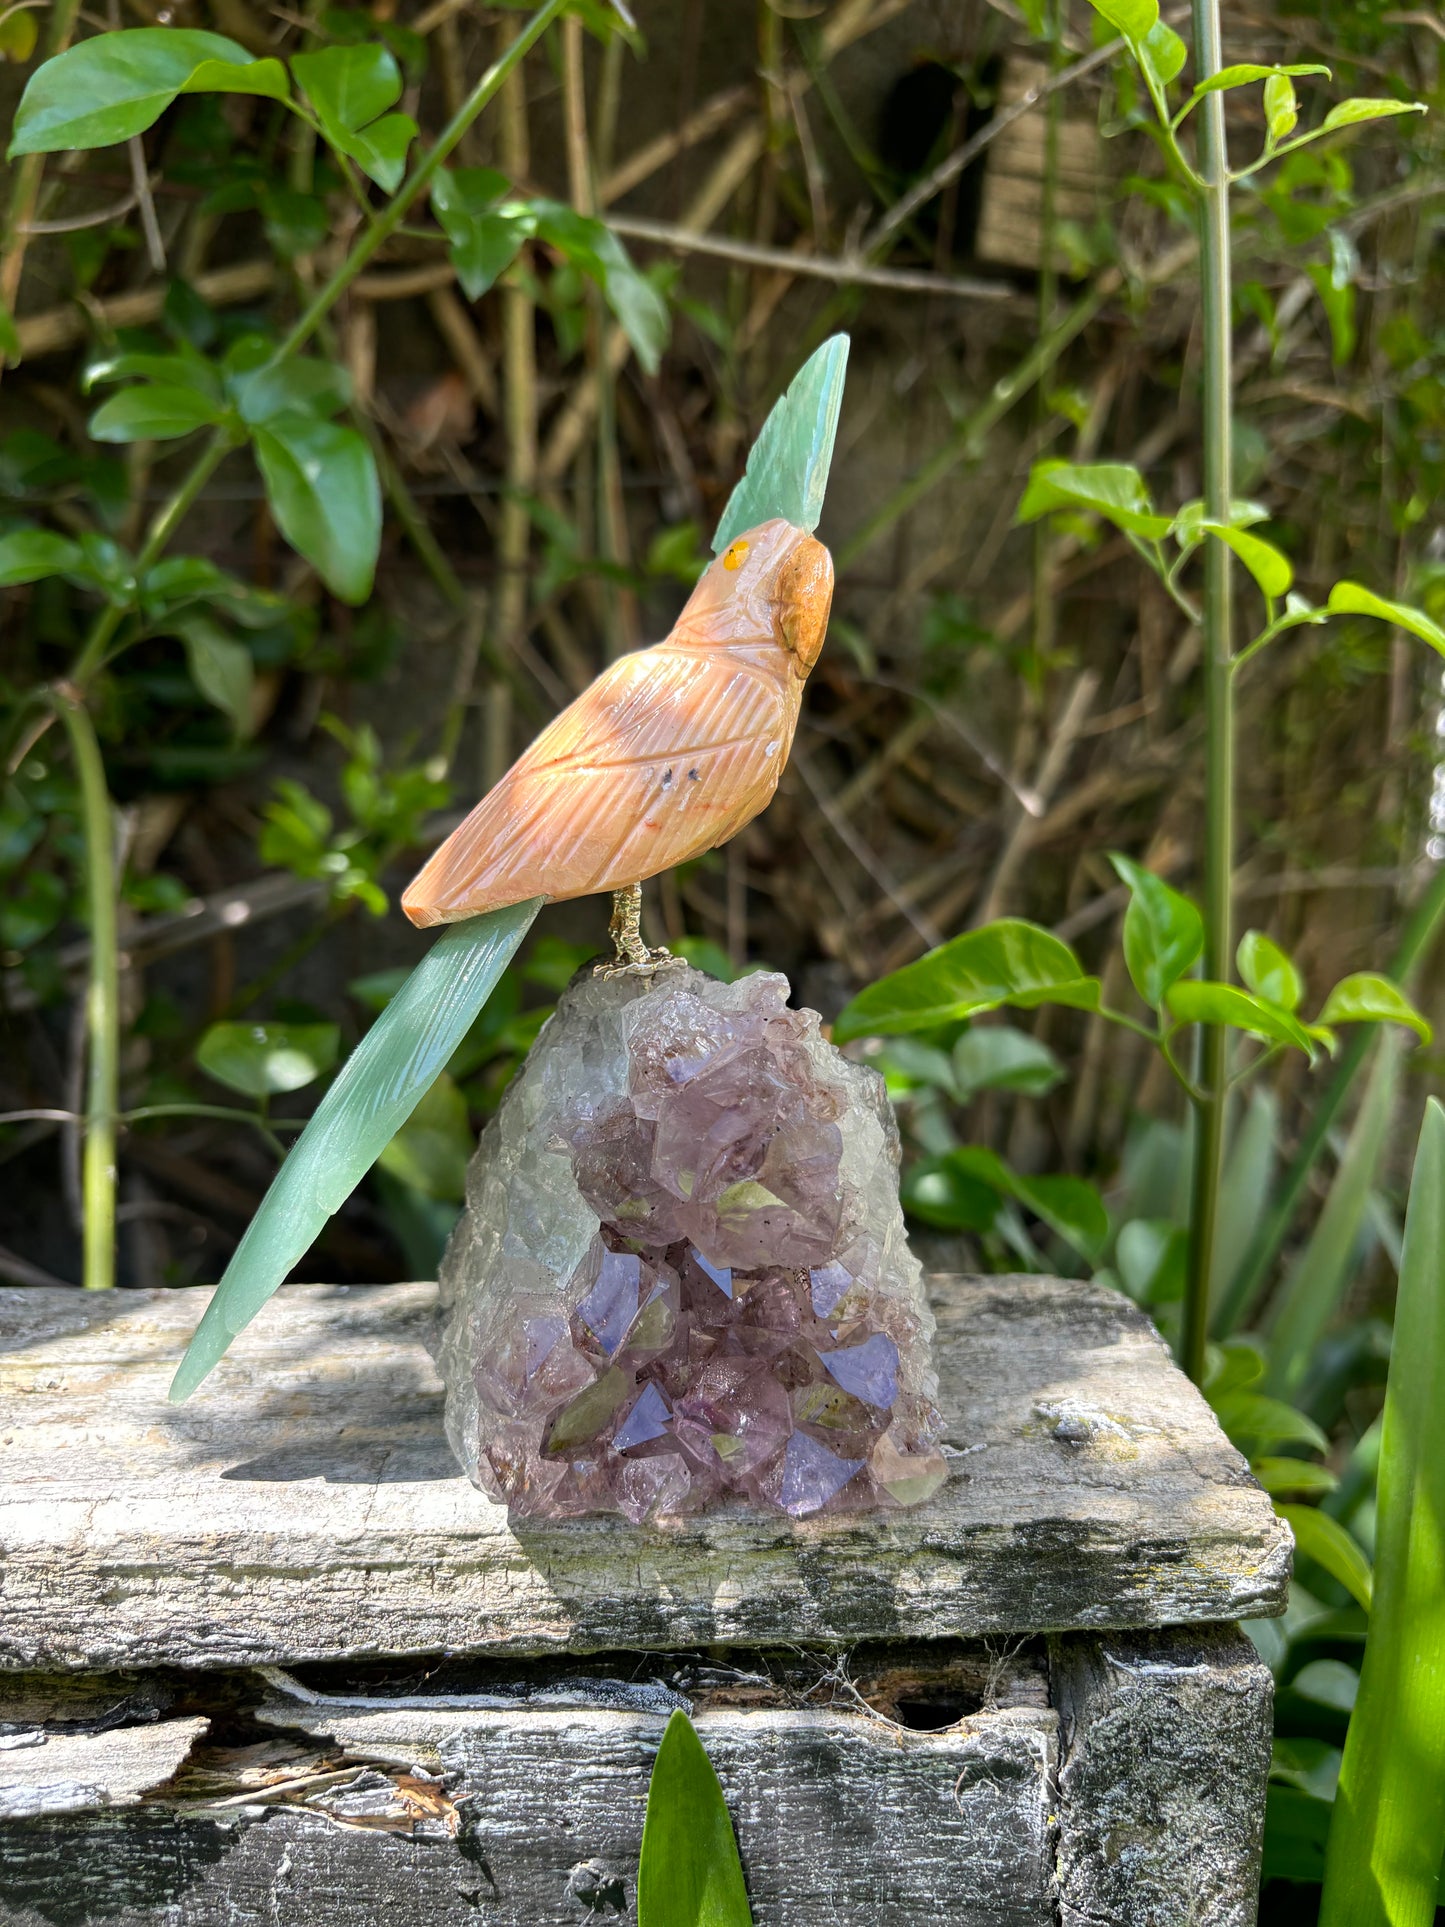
869	1371
681	1275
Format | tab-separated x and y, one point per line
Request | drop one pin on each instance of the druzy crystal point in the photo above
681	1275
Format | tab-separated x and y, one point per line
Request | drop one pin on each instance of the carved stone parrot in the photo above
668	753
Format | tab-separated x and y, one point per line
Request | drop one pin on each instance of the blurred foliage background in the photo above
975	194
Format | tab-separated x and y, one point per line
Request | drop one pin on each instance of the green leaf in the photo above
372	1096
1112	489
350	87
1296	1826
431	1150
1328	1682
1349	113
1207	1003
1132	18
993	1057
1270	569
1302	1476
1231	1366
1353	599
1338	300
262	1060
1163	931
1067	1206
1162	54
1187	528
322	485
295	223
220	668
1268	971
153	412
485	236
1313	1765
1281	106
18	34
1248	1182
909	1065
1384	1852
301	385
487	245
381	149
593	248
1151	1256
1317	1277
690	1874
1366	998
1323	1539
787	466
941	1192
31	908
184	370
1254	1423
704	954
120	83
1008	962
29	555
1245	73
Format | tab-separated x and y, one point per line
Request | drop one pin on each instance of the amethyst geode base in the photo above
681	1274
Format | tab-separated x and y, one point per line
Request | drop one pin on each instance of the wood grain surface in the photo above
304	1506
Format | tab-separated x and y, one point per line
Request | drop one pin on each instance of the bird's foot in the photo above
631	957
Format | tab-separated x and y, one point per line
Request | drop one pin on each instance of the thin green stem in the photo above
267	1126
1044	613
1181	1076
1285	147
230	1111
1267	636
1255	1065
420	177
1127	1023
103	994
103	629
1213	200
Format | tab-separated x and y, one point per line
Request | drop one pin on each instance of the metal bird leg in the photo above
630	953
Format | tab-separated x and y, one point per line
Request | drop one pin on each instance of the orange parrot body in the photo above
667	754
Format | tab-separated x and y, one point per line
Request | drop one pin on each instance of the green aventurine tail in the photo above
376	1091
787	471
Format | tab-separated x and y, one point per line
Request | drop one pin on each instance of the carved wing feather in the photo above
667	754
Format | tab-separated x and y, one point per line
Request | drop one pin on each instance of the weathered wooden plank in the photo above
1162	1789
48	1771
303	1505
537	1817
1122	1782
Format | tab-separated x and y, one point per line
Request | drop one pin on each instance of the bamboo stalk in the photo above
102	1085
1209	1137
519	418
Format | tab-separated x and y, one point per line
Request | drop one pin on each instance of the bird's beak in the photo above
804	596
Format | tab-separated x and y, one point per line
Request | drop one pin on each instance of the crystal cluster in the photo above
681	1273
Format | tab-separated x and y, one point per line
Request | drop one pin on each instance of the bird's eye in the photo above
734	557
